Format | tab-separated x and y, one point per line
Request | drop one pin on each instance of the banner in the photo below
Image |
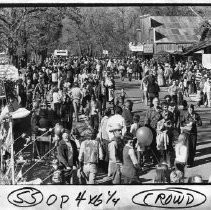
105	197
105	52
61	53
206	61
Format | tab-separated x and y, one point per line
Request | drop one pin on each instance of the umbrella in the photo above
9	72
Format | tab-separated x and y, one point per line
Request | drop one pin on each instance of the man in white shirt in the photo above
116	119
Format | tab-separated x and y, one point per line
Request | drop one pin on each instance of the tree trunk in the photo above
43	55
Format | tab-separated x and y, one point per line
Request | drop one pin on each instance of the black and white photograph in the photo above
105	94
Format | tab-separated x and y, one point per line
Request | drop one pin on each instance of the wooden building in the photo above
169	33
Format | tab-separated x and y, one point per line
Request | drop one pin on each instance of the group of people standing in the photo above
62	90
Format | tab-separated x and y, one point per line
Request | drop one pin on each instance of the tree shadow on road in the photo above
143	180
205	136
135	97
203	151
202	161
203	142
127	86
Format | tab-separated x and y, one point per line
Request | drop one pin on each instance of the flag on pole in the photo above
155	24
159	36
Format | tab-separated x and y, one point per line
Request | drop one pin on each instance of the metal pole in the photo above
12	153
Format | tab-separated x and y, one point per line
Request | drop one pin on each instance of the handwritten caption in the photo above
172	197
29	197
169	198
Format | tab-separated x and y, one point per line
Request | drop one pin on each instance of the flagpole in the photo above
12	153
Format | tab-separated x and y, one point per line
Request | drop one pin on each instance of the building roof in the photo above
198	46
176	29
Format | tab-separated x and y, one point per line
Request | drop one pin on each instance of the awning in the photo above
196	47
163	53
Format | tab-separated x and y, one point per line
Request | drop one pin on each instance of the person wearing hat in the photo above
68	157
130	163
115	148
191	119
117	118
89	155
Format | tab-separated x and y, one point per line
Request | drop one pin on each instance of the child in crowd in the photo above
162	139
181	152
162	174
140	149
135	125
176	176
57	173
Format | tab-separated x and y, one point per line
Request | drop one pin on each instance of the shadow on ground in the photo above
202	161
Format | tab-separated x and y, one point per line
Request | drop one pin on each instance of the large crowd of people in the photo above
65	91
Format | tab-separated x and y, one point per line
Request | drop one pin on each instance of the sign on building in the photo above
105	52
148	48
136	48
61	52
206	61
